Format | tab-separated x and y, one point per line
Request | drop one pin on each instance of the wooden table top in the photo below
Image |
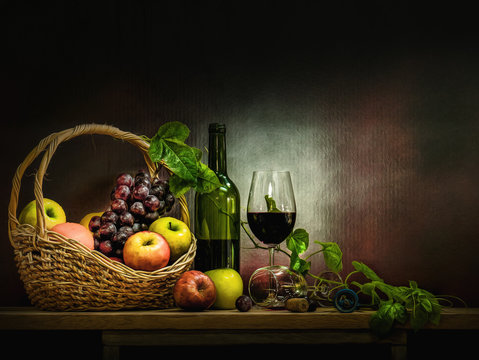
29	318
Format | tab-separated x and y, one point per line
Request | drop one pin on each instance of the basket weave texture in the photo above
61	274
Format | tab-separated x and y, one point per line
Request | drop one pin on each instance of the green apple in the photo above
229	286
176	232
54	214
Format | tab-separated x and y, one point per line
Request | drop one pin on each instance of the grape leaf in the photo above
333	256
366	270
298	241
168	146
271	204
207	179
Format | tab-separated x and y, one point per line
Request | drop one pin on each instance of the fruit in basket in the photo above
176	232
135	202
85	221
146	250
194	291
76	232
54	213
229	286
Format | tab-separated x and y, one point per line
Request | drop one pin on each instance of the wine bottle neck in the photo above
217	152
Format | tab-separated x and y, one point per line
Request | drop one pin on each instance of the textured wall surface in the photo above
376	118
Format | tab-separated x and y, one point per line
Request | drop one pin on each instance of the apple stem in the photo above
169	225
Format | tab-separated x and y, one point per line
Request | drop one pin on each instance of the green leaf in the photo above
173	131
419	318
368	272
333	256
180	159
168	146
179	186
299	265
298	241
271	204
207	180
382	321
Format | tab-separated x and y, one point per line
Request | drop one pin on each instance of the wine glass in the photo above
272	286
271	208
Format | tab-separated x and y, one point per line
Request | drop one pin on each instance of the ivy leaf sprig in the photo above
393	304
168	146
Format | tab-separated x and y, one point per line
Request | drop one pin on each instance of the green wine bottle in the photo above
217	214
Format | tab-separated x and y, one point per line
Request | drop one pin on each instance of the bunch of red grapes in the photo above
136	201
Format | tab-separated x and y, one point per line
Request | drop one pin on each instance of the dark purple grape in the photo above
127	219
142	173
120	237
125	179
105	247
143	181
126	229
136	227
96	243
244	303
119	206
107	231
170	201
158	191
109	217
140	192
162	208
94	223
152	203
122	192
138	209
161	182
151	216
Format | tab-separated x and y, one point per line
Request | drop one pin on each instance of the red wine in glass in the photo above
271	228
271	208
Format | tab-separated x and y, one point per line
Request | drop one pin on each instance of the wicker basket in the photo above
61	274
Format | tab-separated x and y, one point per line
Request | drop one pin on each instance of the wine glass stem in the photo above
271	256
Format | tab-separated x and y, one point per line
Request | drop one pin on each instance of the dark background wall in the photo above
373	107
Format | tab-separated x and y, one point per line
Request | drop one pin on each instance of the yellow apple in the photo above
176	232
229	286
54	214
86	219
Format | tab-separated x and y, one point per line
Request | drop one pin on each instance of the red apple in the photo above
194	291
146	250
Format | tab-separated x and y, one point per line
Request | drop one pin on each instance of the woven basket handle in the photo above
49	144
